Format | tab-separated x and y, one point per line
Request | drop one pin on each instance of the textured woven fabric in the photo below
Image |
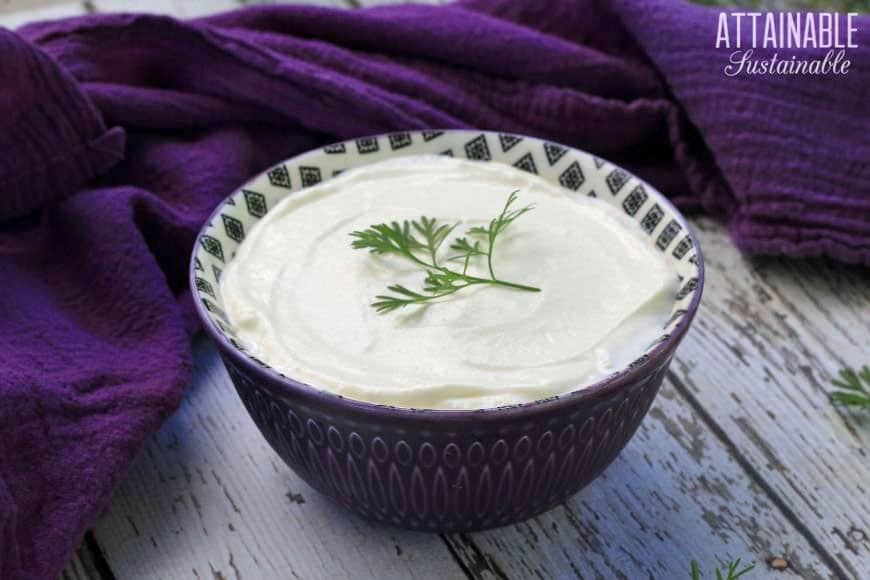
119	134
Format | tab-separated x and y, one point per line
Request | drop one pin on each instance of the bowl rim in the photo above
604	388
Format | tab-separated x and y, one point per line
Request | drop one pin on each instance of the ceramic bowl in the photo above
442	470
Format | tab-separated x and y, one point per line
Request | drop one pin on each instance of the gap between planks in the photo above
781	330
801	310
208	493
492	554
88	563
753	473
483	562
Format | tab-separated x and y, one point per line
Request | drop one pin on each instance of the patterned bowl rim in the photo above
319	398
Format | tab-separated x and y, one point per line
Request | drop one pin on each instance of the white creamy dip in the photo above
299	295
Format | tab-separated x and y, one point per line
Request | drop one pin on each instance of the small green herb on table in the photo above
732	572
851	391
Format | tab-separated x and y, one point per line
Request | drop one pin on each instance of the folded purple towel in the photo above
118	135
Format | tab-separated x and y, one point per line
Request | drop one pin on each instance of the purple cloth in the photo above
118	135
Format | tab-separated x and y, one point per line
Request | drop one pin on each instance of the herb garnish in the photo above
733	572
402	240
852	392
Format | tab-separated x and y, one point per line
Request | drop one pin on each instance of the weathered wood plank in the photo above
756	367
324	3
673	495
77	569
88	563
710	489
769	337
208	496
365	3
192	8
14	13
169	7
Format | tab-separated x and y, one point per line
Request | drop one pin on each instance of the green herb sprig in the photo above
732	572
419	241
852	393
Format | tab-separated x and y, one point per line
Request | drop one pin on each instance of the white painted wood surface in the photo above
691	484
742	455
769	339
14	13
208	494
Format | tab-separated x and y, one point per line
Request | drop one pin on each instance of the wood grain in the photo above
682	489
741	456
88	563
673	495
208	494
14	13
770	336
78	569
207	497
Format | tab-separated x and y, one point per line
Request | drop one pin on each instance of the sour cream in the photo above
300	297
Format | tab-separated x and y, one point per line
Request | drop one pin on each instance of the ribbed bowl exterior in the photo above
439	474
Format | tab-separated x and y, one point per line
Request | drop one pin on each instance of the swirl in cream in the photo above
300	297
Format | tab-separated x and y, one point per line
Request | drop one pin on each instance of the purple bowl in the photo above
438	470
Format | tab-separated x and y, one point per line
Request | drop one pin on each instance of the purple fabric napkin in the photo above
118	135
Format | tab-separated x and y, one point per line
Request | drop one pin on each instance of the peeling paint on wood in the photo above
741	456
674	494
795	324
240	517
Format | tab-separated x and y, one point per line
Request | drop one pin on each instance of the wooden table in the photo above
741	456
